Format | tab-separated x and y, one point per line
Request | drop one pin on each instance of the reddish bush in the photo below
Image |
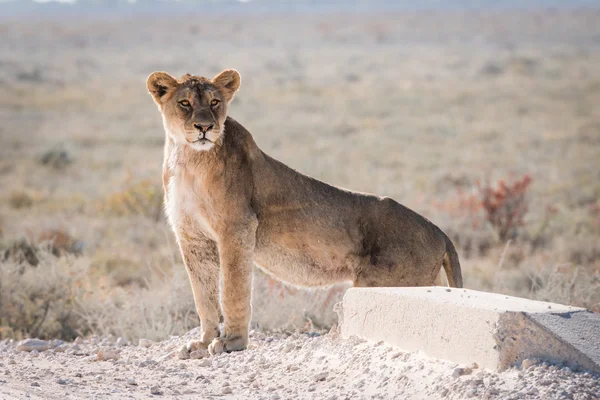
505	205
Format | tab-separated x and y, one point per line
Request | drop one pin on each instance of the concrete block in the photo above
465	326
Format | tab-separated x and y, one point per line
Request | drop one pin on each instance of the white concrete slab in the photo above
465	326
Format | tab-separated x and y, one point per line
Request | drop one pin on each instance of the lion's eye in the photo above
214	102
184	103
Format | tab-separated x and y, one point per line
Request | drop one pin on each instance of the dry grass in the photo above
419	107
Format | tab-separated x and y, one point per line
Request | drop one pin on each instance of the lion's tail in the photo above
452	265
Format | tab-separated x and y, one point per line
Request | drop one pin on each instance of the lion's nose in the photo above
203	127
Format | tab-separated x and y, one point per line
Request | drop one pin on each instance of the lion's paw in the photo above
227	345
193	346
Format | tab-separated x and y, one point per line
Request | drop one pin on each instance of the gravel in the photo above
275	366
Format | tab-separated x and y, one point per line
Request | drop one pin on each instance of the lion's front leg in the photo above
202	263
236	254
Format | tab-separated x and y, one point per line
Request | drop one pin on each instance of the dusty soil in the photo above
276	366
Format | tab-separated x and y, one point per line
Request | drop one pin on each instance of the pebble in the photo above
145	343
61	381
147	363
227	390
183	353
107	354
35	384
156	390
122	341
320	376
33	344
198	354
131	382
61	348
78	340
286	348
461	371
528	362
206	362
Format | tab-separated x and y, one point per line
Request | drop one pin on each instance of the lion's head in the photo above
194	108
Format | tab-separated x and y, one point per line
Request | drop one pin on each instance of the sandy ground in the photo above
276	366
467	97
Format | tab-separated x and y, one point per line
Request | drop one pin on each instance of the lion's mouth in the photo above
201	141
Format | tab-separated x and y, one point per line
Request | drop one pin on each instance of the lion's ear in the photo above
159	84
228	82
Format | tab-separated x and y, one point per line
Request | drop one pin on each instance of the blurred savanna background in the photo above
483	116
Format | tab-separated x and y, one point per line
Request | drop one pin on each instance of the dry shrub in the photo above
567	285
505	206
115	270
141	198
57	157
41	301
164	308
499	208
24	250
20	199
63	297
277	306
20	252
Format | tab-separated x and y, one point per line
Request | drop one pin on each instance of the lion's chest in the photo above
187	207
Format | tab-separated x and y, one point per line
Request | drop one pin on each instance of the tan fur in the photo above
232	206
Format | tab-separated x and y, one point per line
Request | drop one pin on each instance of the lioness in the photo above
232	206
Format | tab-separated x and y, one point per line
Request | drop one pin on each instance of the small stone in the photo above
321	376
286	348
198	354
528	362
58	157
122	341
94	340
107	354
98	378
145	343
533	390
33	344
461	371
61	381
78	340
34	353
131	382
147	363
183	353
155	390
474	366
227	390
78	375
61	349
206	362
35	384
